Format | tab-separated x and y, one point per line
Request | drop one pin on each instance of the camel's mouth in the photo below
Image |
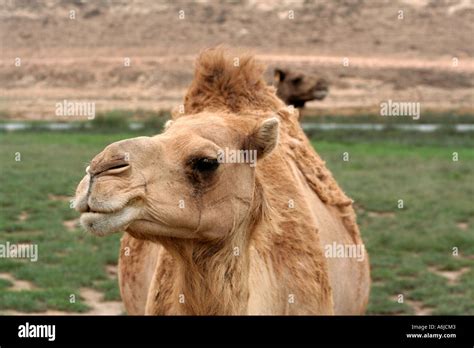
320	94
101	214
105	223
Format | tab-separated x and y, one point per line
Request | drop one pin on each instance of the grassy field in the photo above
411	249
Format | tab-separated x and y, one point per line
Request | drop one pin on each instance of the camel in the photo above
206	234
296	88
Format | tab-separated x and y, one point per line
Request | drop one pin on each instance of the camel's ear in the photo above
279	75
265	137
167	124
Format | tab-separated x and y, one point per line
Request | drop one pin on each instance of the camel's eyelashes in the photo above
205	164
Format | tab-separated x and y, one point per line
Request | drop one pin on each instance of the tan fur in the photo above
238	247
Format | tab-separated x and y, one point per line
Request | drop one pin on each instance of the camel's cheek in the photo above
222	212
220	219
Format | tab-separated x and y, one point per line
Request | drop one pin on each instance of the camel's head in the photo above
296	88
195	180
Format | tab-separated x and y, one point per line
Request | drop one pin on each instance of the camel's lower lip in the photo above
320	94
102	224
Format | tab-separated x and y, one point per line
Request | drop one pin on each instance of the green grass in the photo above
51	164
437	193
383	167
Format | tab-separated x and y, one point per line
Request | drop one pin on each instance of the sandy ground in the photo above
426	56
160	83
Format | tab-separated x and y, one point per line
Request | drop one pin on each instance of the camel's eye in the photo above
205	164
297	80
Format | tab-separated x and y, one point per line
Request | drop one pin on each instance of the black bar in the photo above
348	330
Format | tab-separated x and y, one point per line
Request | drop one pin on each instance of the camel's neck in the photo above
211	279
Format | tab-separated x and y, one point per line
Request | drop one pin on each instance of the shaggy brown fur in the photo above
220	85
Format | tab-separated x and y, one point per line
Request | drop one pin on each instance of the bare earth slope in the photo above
424	56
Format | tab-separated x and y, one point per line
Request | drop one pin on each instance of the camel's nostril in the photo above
118	166
112	168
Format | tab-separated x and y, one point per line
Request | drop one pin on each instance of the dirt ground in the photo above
425	56
92	298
